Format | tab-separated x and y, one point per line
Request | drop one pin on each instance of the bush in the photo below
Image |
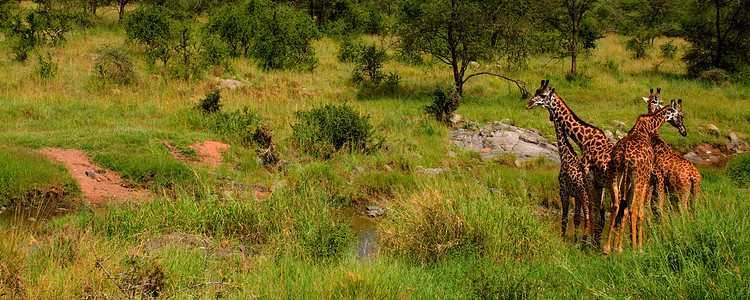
210	104
114	65
325	130
668	50
367	73
46	67
154	28
637	48
444	103
279	36
714	75
739	169
349	50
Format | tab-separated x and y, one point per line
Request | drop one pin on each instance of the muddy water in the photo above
365	228
31	216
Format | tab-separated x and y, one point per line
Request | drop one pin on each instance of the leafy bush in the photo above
714	75
278	35
668	50
637	48
368	74
325	130
349	50
46	67
739	169
154	28
210	104
444	103
114	65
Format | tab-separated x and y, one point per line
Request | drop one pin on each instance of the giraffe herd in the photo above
636	171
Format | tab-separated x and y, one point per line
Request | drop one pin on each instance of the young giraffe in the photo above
572	181
630	170
672	173
594	144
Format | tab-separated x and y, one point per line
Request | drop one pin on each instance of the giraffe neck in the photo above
581	132
563	145
650	123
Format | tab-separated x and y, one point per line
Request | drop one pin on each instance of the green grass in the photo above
466	233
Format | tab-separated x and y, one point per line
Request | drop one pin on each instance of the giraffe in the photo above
630	170
594	144
672	173
572	181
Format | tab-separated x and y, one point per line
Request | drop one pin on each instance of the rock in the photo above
374	211
358	170
3	208
250	187
91	174
31	219
712	129
693	158
387	168
451	154
620	134
433	171
735	144
62	209
507	121
228	83
619	124
502	139
189	240
610	136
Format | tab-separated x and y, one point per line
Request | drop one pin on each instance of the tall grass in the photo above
29	177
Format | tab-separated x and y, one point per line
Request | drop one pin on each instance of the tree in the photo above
458	32
577	29
644	20
719	34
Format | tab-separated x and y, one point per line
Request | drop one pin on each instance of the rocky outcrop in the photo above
500	139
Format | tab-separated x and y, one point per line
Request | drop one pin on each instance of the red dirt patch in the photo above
209	153
99	187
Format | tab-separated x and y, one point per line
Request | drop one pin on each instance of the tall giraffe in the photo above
572	181
672	173
630	170
594	144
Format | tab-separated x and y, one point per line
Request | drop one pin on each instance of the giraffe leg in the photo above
615	214
577	215
565	203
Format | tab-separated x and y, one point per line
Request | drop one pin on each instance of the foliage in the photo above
739	169
444	103
154	28
718	33
210	104
668	50
644	20
714	75
277	35
349	50
367	72
323	131
459	32
46	68
637	48
577	31
113	64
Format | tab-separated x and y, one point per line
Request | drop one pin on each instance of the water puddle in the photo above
32	216
365	228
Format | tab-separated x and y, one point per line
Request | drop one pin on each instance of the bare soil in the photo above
99	187
209	153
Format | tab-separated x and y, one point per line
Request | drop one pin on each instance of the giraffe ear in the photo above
674	103
552	92
645	99
679	101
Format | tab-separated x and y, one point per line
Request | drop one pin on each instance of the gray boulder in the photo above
501	139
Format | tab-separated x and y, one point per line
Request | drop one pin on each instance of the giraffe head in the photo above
654	100
674	116
540	96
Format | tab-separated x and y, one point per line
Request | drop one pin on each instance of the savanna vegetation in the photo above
343	104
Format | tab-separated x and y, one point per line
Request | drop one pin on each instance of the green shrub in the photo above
210	104
668	50
326	130
23	35
114	65
714	75
368	71
46	67
154	28
739	169
444	104
637	48
349	50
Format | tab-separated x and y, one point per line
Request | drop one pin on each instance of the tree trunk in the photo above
121	12
719	43
574	51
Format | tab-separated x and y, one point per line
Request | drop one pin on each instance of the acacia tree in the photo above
719	34
572	20
458	32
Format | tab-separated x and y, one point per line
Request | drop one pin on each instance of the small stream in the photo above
32	216
365	229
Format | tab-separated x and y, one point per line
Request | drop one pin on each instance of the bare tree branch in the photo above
520	84
100	265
